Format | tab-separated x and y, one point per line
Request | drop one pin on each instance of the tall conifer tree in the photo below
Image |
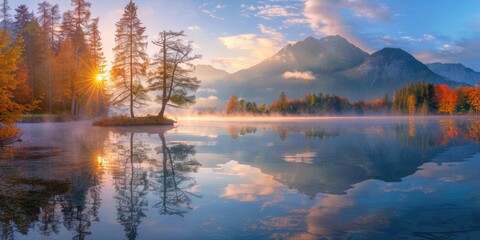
131	60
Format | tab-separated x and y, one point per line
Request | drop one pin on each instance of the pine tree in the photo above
22	18
171	69
131	60
4	15
75	22
48	19
97	93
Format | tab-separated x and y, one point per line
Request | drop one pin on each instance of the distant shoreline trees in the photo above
413	99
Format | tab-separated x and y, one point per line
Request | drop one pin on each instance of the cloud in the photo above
451	48
271	32
211	11
329	17
275	11
307	76
295	21
194	28
252	48
424	37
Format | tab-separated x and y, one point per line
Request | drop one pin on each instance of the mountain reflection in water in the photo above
343	178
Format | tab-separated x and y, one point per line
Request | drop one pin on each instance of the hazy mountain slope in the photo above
456	72
207	73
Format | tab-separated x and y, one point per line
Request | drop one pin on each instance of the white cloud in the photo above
425	37
451	48
194	28
295	21
428	37
307	76
211	10
325	16
252	48
270	32
273	11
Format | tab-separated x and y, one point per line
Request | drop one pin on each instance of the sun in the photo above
100	77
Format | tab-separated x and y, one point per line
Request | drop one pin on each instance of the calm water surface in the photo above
368	178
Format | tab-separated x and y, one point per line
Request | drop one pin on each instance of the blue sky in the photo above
234	34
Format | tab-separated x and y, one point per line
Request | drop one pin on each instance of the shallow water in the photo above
354	178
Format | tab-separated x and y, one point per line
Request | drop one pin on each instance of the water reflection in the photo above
43	189
146	165
333	156
358	179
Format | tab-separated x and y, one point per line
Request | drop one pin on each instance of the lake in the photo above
295	178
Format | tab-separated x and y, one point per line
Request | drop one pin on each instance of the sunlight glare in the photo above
102	162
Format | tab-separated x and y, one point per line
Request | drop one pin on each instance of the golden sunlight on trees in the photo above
171	69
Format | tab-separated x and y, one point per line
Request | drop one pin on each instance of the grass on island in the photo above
136	121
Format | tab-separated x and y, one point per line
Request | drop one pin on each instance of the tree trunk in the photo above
164	80
131	73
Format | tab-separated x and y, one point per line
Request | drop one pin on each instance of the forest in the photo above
52	65
414	99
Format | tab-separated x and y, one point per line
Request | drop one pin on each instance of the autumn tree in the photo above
411	103
232	105
172	67
474	98
446	99
10	111
130	60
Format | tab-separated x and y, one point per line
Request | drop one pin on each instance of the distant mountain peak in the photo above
456	72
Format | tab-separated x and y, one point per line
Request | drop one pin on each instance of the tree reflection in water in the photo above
173	182
137	172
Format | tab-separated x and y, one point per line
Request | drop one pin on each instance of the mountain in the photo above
390	69
207	73
456	72
328	65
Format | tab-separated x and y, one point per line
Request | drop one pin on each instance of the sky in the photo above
234	34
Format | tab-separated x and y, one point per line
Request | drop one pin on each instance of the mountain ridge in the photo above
328	65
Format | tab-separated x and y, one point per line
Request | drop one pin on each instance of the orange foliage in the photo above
446	99
9	134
